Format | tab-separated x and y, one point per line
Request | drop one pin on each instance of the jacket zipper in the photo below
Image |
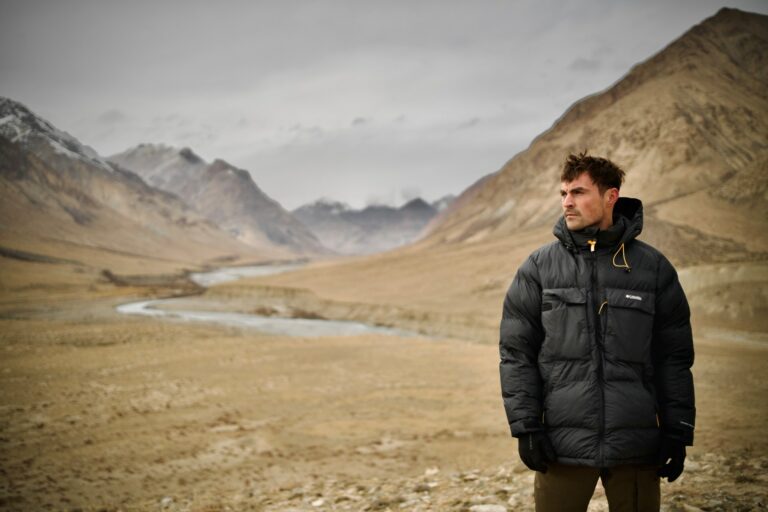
598	343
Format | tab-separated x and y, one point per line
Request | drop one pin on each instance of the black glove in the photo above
536	450
671	458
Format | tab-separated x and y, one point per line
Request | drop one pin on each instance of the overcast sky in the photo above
359	101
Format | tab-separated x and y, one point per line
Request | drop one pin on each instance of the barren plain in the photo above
102	411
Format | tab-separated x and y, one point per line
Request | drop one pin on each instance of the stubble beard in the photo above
577	223
573	223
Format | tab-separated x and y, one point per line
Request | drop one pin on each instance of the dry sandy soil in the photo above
100	411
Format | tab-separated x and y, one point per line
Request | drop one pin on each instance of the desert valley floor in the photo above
102	411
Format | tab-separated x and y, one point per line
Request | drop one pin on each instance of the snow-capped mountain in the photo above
32	133
57	196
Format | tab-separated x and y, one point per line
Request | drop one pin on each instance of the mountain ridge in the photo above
223	193
60	198
688	121
374	228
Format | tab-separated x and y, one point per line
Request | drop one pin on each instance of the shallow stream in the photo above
304	327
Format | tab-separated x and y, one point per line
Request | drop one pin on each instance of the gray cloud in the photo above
582	64
171	122
277	88
301	132
112	117
469	123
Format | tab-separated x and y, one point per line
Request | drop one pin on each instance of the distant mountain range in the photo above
228	197
222	193
690	127
375	228
59	198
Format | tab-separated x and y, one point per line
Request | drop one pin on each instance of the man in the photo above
596	351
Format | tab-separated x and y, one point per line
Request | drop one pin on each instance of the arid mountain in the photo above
222	193
690	127
61	201
324	218
373	229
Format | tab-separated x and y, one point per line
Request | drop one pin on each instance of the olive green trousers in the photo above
631	488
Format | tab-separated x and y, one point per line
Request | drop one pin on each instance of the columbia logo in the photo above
633	297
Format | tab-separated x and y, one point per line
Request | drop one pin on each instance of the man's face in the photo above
583	204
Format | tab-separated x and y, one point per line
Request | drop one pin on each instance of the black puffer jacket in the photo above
596	346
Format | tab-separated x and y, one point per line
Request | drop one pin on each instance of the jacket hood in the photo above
627	225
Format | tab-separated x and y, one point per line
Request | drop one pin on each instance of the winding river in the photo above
303	327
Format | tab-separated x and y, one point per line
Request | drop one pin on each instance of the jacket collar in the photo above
627	225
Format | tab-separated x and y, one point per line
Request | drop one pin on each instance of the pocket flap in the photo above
567	295
644	301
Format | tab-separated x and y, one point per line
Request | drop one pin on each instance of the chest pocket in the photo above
563	317
628	324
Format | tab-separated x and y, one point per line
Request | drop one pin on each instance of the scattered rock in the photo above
470	477
225	428
487	508
692	466
384	445
519	468
515	501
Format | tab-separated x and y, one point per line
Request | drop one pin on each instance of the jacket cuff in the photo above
685	436
526	426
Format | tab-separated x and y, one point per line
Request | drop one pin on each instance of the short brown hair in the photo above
603	172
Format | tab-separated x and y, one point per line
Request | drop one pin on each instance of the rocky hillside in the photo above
60	200
690	127
223	194
373	229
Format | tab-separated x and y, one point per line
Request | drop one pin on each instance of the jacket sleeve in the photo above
519	342
673	357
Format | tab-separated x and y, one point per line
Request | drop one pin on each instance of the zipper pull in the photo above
592	244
